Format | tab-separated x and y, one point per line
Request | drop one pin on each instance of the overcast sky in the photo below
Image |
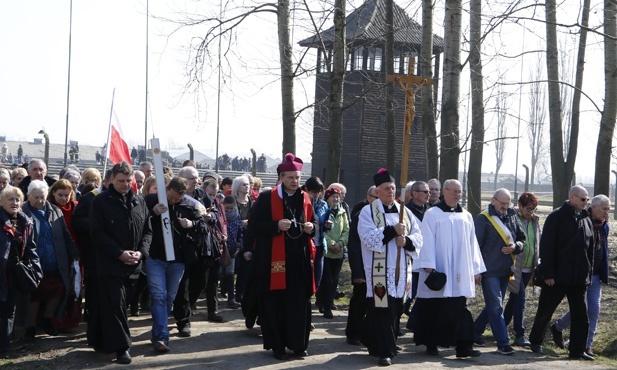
109	50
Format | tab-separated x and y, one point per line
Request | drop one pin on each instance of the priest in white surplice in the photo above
449	247
386	241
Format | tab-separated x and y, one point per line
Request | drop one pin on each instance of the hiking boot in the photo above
161	346
505	350
184	330
521	342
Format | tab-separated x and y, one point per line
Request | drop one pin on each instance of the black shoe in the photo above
339	295
333	307
214	317
134	312
432	351
384	361
184	330
123	357
49	328
281	356
400	332
536	348
557	336
249	321
467	352
301	353
582	356
328	314
353	341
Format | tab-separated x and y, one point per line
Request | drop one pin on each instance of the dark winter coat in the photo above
9	256
116	226
64	247
566	246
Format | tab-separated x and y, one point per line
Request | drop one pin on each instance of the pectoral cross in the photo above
293	220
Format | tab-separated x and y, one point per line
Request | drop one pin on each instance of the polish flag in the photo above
118	149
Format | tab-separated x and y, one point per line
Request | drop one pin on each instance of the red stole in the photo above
277	266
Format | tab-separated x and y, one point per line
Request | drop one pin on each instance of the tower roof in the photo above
367	24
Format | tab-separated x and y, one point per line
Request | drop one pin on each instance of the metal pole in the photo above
146	106
68	87
218	103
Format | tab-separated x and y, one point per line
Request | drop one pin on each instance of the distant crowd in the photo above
81	245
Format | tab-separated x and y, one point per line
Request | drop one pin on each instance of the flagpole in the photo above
68	87
111	113
146	109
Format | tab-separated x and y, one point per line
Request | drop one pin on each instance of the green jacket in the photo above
338	233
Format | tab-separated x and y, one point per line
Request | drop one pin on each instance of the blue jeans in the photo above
594	295
515	308
163	281
494	290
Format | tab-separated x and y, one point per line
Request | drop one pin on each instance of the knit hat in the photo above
382	176
290	163
331	191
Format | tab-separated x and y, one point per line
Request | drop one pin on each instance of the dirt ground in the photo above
230	345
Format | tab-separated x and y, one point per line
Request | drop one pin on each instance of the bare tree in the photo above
562	167
450	147
335	141
500	140
477	109
428	105
607	124
537	116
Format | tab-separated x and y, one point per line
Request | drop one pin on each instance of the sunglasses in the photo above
584	199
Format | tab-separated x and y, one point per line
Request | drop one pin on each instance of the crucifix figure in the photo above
411	84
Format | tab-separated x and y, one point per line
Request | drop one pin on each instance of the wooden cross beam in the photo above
411	84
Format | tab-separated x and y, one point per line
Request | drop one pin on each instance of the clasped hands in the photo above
129	257
285	225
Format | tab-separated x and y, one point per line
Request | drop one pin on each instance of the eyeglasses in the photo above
373	196
530	209
584	199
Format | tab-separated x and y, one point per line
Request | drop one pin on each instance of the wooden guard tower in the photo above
364	127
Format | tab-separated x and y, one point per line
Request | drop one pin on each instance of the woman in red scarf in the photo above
62	195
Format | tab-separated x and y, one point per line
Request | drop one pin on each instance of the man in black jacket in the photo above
120	230
358	304
566	255
37	170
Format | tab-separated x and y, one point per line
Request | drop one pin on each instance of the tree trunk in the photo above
450	148
389	60
607	124
335	141
560	180
287	77
474	188
428	105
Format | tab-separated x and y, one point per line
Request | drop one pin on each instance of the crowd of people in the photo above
97	250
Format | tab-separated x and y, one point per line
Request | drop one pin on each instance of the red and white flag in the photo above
118	149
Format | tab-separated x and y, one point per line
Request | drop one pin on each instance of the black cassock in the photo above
285	315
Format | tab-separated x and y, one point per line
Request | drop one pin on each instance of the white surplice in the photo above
449	246
371	238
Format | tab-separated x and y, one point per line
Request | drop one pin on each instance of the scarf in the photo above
233	214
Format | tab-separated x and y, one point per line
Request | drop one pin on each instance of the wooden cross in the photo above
411	84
